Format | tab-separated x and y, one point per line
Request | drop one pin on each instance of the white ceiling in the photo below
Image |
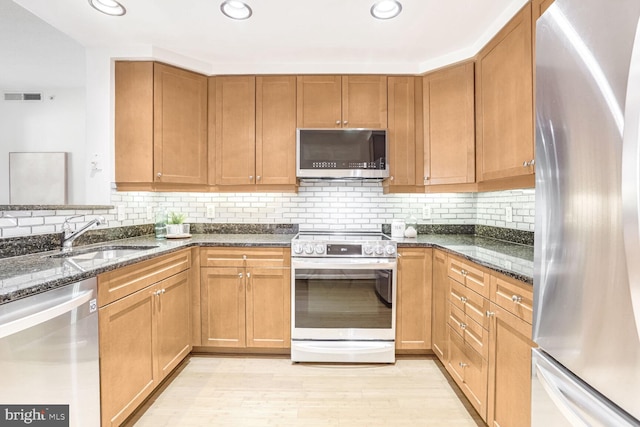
288	36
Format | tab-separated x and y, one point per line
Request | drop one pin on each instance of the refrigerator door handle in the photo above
631	179
560	398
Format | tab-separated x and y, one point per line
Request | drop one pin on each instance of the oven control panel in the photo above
370	249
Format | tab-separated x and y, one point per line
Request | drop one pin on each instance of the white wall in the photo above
56	124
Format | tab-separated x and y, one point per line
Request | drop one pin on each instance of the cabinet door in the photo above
319	101
223	307
509	370
364	102
276	130
268	307
235	130
179	126
504	98
128	373
134	121
401	131
173	319
439	336
449	126
413	302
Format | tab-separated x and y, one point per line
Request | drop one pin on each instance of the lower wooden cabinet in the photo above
413	302
487	338
246	300
469	370
143	337
510	370
439	332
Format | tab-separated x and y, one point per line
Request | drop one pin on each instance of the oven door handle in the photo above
352	264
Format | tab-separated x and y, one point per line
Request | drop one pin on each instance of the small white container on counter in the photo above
397	229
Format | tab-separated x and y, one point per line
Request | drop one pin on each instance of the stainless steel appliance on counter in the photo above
49	354
343	293
586	371
342	153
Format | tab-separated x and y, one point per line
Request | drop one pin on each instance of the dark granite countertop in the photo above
512	259
26	275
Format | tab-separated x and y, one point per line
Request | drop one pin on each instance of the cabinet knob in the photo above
462	365
248	275
345	123
463	272
159	174
463	299
525	164
391	178
240	275
244	257
463	326
250	178
338	122
258	178
516	298
490	314
532	162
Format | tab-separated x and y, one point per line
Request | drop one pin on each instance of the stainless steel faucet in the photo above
68	236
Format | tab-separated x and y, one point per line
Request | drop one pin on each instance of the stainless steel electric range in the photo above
343	297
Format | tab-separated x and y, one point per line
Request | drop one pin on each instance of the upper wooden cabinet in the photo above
160	126
539	7
401	133
504	102
342	101
276	130
255	125
449	126
235	138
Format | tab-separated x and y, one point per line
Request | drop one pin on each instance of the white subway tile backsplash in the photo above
316	206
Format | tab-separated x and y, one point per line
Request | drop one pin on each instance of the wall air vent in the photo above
26	96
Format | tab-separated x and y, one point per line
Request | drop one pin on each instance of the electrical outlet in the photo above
211	210
149	213
121	213
508	214
426	212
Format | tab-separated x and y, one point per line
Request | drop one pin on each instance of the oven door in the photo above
338	299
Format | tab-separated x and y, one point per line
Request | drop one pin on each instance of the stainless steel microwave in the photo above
342	153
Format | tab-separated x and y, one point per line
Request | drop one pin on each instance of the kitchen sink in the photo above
102	253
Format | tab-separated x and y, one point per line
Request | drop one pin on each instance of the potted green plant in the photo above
175	224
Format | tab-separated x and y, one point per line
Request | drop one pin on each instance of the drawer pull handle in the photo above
490	314
462	365
463	326
517	299
463	299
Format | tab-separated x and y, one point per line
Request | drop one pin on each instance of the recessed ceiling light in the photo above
386	9
235	9
110	7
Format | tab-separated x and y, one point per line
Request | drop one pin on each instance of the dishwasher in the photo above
49	360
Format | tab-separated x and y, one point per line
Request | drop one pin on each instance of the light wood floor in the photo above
271	391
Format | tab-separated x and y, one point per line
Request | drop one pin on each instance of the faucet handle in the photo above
66	227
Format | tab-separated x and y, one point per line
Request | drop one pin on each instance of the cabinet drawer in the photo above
119	283
470	371
237	257
473	304
514	296
469	275
473	334
476	337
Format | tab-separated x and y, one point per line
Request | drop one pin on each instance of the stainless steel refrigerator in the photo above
586	371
